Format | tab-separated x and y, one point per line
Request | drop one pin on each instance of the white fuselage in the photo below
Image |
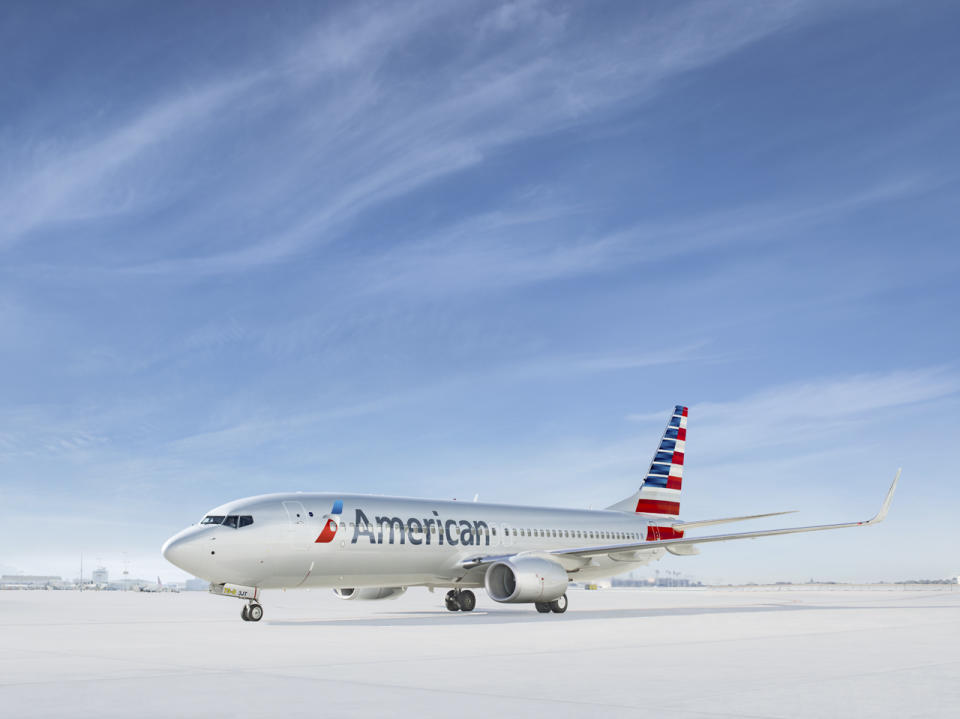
376	541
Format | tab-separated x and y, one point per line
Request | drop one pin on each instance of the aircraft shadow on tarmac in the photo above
528	615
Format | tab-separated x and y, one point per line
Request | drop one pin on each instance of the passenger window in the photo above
230	521
246	520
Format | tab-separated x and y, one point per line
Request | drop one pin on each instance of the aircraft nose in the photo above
182	550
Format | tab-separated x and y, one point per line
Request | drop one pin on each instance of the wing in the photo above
683	545
690	541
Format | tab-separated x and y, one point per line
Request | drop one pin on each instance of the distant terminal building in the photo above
100	576
196	585
656	582
29	581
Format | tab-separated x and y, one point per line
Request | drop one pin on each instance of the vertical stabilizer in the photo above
659	493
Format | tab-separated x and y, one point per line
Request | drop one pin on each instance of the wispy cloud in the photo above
784	426
798	414
397	137
528	246
60	181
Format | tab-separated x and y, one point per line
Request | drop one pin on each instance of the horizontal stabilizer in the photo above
683	526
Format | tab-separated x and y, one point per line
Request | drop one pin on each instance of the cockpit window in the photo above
233	520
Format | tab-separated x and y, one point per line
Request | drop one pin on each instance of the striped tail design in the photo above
659	494
660	491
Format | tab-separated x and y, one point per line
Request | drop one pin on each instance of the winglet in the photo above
885	507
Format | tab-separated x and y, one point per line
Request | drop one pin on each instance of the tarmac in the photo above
682	653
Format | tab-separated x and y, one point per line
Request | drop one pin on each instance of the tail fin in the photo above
659	494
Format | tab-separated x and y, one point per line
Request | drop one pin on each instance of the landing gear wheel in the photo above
243	613
542	607
254	613
559	606
452	601
467	601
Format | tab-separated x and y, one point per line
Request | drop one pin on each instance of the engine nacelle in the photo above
525	579
370	593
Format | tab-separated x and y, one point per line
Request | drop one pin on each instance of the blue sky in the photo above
443	249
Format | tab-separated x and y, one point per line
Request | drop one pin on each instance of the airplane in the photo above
158	587
372	547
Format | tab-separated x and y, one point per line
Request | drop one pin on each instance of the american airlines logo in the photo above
332	525
413	530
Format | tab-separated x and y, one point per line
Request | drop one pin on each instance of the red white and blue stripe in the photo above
660	491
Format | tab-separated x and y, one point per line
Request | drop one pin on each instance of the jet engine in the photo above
526	579
370	593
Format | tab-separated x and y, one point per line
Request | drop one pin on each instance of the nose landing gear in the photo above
251	612
460	600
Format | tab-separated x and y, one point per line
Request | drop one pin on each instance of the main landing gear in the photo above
251	612
460	600
557	606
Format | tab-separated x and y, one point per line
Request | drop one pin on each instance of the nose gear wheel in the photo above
251	612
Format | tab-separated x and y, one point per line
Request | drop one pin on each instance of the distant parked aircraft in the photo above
374	547
158	587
